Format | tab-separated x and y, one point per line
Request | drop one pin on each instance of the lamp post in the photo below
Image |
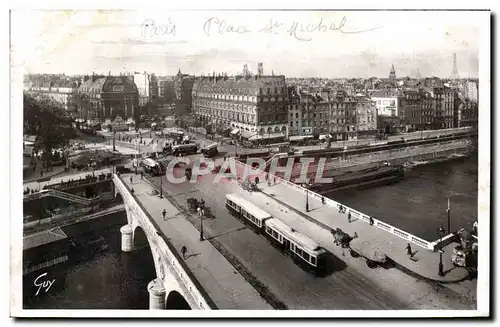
200	214
441	234
114	134
306	186
448	214
161	186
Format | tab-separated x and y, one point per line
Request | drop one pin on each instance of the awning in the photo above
324	137
266	136
300	137
235	131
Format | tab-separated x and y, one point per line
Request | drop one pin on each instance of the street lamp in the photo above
161	186
200	214
306	186
441	234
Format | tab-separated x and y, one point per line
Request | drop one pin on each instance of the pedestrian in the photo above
408	249
257	180
164	213
131	180
371	221
341	208
274	180
202	204
349	216
184	251
355	235
142	174
323	199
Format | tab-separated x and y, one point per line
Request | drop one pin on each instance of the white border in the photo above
484	159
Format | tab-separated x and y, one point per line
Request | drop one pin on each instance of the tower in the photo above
246	72
260	69
392	76
417	75
454	72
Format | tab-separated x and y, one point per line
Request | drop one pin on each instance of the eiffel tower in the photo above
454	72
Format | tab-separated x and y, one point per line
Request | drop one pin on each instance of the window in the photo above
313	260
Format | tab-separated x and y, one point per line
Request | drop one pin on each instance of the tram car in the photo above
304	251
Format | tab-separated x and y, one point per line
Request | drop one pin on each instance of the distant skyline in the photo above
338	44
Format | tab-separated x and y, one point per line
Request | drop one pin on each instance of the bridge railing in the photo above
378	223
194	288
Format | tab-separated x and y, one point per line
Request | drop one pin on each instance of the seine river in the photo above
115	280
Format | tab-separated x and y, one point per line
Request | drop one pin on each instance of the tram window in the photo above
292	247
306	256
268	230
313	260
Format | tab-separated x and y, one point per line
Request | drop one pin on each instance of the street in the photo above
350	286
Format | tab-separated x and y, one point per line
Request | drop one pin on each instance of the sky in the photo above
294	43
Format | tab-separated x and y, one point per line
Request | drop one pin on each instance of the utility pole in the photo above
200	214
440	267
161	186
448	212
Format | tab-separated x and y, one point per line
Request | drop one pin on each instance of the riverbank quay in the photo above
389	240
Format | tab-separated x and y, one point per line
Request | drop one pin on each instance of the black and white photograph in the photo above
238	163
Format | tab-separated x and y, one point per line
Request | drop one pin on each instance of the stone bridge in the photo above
174	286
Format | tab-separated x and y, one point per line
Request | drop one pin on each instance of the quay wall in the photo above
355	213
400	156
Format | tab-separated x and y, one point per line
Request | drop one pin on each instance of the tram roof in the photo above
299	238
249	206
150	162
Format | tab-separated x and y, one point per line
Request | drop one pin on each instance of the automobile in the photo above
123	169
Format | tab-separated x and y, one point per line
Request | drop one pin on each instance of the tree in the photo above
45	119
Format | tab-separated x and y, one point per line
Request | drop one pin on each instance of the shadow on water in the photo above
96	276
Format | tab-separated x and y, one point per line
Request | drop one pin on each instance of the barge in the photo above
360	179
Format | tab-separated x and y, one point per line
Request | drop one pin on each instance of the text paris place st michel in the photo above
296	29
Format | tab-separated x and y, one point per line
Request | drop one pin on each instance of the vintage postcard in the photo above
331	163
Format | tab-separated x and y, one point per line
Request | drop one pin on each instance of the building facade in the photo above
65	94
366	116
106	97
183	88
467	114
153	87
387	102
254	107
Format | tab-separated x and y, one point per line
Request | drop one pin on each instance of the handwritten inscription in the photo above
149	29
298	30
216	25
40	283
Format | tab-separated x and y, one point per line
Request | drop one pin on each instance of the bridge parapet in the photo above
378	223
164	254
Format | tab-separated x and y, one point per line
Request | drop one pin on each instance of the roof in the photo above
150	162
303	241
249	206
247	84
383	94
42	238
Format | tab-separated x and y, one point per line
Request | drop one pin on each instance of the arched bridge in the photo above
175	286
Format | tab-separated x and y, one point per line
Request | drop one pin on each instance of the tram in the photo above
181	149
304	251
